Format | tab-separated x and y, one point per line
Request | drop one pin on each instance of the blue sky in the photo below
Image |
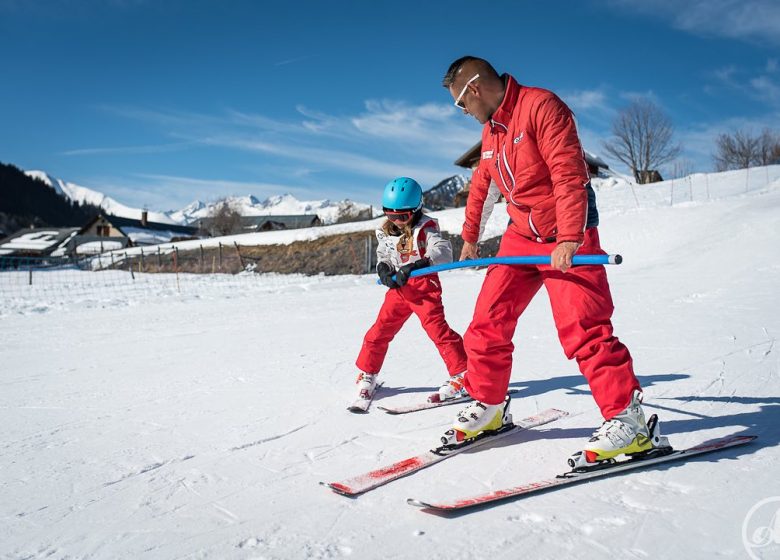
159	103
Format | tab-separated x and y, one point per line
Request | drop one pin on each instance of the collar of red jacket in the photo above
503	114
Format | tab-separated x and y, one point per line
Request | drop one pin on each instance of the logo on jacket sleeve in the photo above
519	137
487	154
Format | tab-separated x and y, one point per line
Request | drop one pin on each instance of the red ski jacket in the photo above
530	148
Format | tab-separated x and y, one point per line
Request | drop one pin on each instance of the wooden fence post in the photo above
240	259
176	267
129	266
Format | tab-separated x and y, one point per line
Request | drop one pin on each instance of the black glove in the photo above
385	272
402	276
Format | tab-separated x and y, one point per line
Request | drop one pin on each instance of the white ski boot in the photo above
366	387
477	419
451	389
627	433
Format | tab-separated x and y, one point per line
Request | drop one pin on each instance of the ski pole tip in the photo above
615	259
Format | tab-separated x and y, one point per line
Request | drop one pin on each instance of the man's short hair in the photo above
455	67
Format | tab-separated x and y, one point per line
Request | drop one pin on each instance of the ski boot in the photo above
625	434
366	387
451	389
478	420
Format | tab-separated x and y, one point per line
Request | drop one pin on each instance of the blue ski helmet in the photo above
402	193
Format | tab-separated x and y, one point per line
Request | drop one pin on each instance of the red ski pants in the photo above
421	296
582	309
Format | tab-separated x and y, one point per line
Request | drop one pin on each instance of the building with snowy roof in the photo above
137	232
37	242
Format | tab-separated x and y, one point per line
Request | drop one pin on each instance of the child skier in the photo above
409	240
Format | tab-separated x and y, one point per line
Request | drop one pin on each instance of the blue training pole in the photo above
577	260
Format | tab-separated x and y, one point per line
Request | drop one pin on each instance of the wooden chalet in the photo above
37	242
134	232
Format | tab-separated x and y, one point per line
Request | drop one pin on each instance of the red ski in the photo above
574	477
373	479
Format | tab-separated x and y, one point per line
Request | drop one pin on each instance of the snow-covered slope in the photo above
193	417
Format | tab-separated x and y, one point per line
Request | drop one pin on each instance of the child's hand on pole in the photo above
385	272
402	276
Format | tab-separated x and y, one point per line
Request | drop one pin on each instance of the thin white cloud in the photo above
219	185
388	138
756	21
630	96
726	74
433	129
766	89
342	160
293	60
586	100
150	149
763	85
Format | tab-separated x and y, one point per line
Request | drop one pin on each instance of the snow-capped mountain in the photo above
442	195
286	204
82	195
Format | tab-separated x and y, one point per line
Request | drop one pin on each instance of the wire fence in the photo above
159	270
52	279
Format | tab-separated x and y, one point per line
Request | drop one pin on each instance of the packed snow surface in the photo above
194	417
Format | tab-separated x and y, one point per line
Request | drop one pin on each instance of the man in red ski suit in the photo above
532	153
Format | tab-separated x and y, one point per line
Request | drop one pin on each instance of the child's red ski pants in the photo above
421	296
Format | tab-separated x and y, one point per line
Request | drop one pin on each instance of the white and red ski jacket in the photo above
426	242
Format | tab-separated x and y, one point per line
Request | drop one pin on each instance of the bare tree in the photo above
735	151
742	149
643	139
768	147
225	219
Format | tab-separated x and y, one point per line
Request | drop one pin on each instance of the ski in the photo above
429	404
574	477
373	479
360	405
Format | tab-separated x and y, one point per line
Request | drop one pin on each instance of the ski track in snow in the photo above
155	425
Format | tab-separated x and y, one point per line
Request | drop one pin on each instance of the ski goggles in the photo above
398	215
